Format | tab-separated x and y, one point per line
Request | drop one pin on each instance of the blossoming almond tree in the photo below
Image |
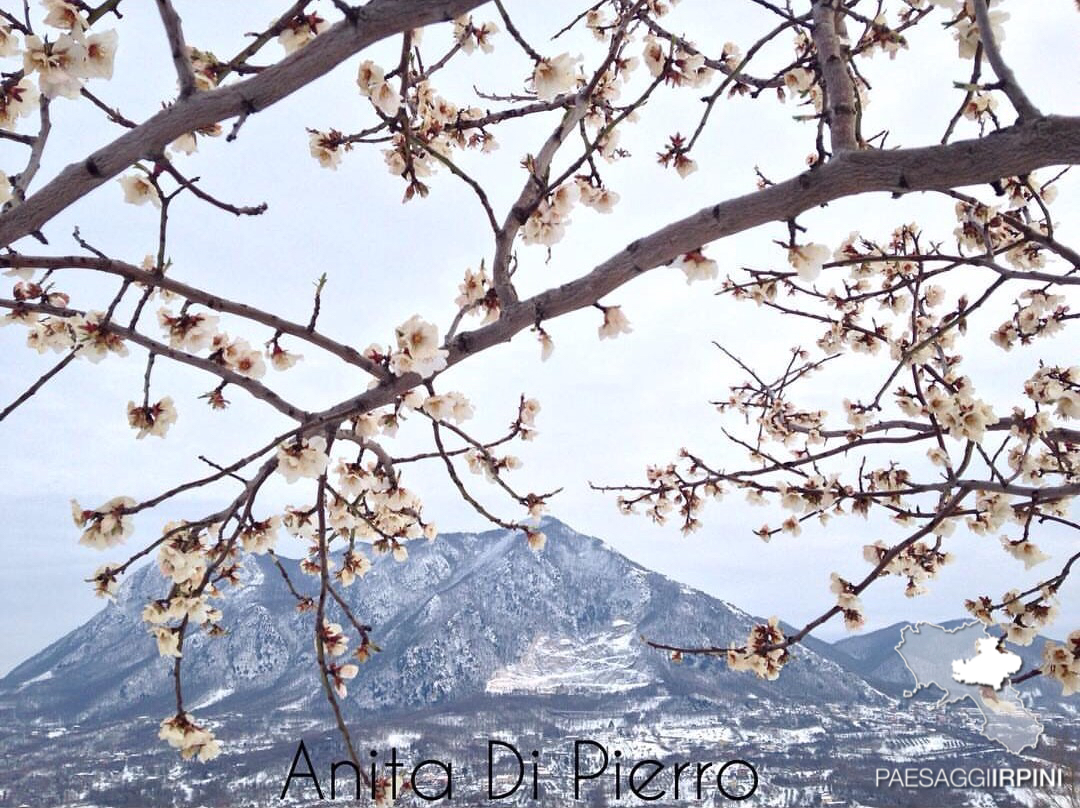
1004	468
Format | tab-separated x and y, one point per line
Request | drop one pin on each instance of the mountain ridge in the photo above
461	609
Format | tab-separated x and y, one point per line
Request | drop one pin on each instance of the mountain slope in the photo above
467	614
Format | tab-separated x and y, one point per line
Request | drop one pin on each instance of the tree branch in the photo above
174	30
195	295
1024	108
1053	140
840	102
375	21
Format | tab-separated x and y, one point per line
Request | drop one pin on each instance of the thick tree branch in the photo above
840	102
373	22
1052	140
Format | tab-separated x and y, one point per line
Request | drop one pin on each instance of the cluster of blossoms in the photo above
238	356
983	228
417	349
335	643
847	600
759	656
300	30
1042	315
371	79
260	537
1057	387
678	66
448	406
547	224
958	412
433	122
965	29
354	564
1062	662
333	639
993	510
471	36
1035	466
46	333
669	492
598	197
441	125
918	562
1024	619
478	295
154	419
190	332
195	332
305	457
481	461
183	560
105	526
64	63
89	333
193	741
366	502
384	512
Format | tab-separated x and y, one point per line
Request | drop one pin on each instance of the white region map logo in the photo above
990	666
966	663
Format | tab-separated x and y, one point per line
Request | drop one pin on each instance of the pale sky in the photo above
609	408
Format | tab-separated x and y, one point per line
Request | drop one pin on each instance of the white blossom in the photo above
154	419
418	349
615	323
808	260
697	267
138	190
304	458
553	77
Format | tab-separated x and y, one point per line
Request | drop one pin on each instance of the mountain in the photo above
481	638
465	615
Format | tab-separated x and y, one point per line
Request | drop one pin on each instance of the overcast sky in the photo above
609	408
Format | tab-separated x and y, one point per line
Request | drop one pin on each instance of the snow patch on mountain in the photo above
596	664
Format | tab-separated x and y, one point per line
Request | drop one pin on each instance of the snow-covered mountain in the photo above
466	615
481	638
